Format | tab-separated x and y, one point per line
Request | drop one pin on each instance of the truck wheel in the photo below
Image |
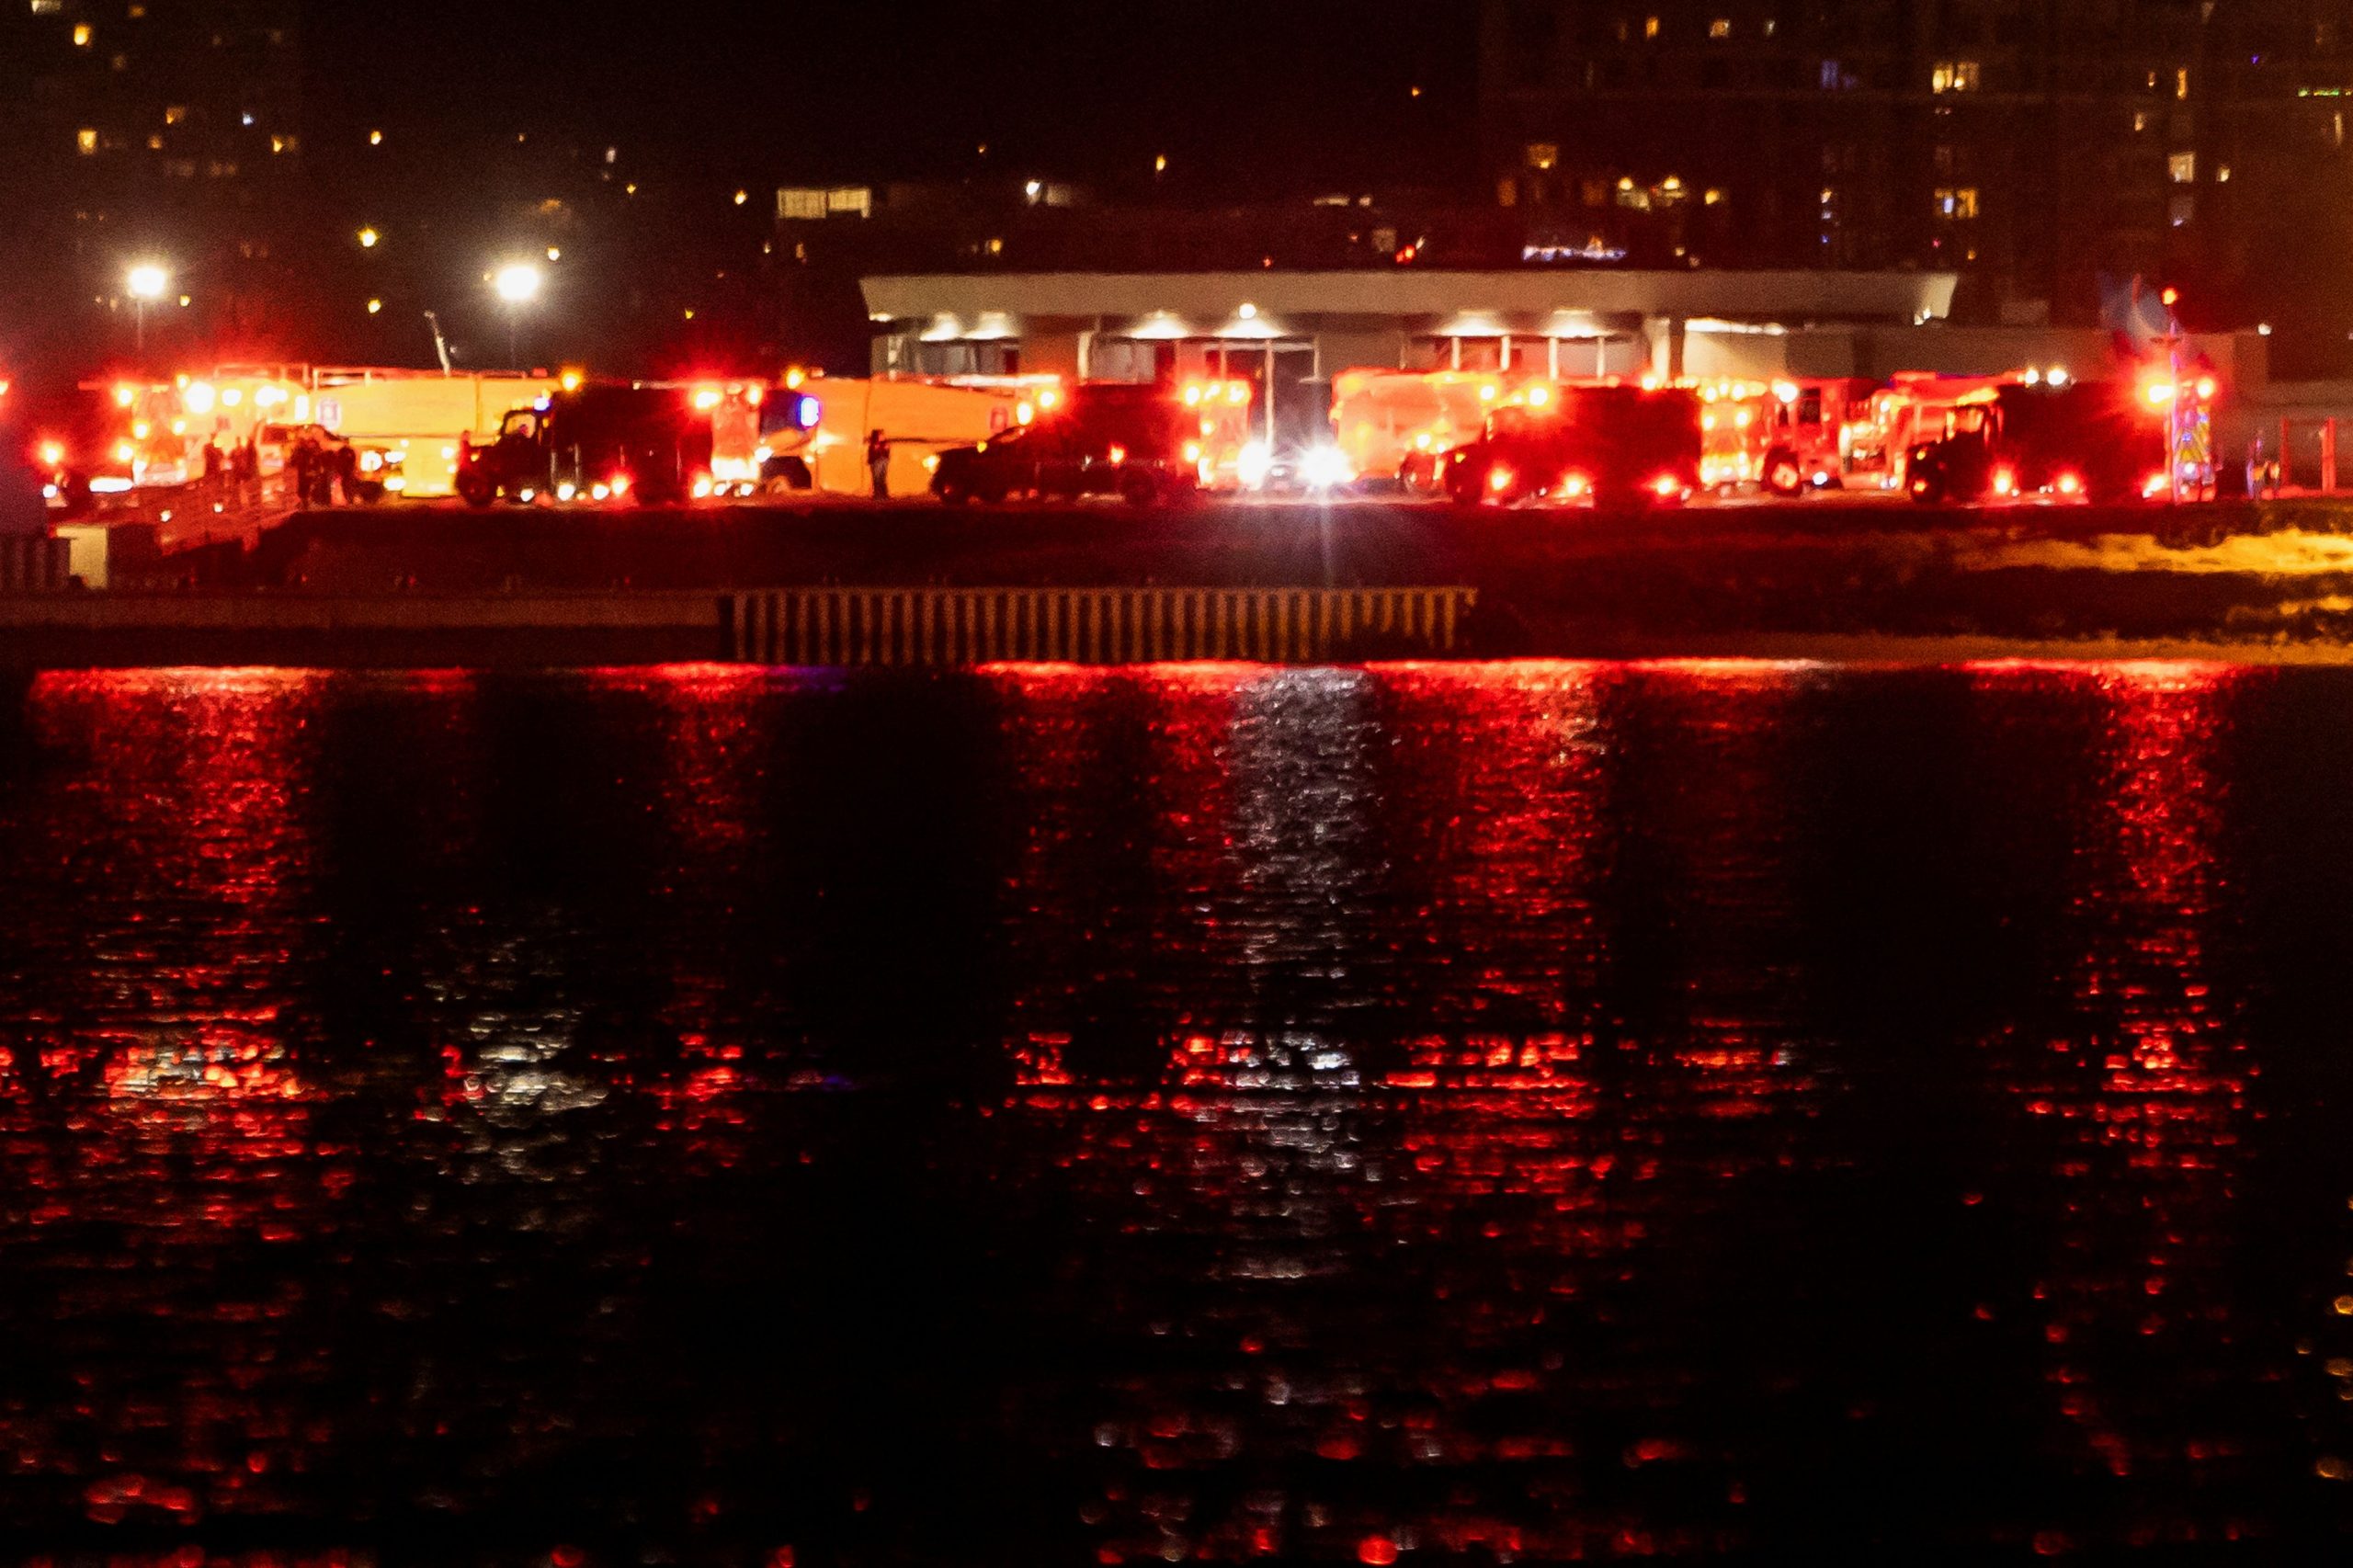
1783	475
952	494
476	490
1138	490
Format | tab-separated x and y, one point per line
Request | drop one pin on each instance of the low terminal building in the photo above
1292	331
1138	326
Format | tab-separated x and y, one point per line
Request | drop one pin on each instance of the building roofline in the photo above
1766	295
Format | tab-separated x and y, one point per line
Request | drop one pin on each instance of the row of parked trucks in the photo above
1478	439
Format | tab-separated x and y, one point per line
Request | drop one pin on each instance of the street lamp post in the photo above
145	282
517	284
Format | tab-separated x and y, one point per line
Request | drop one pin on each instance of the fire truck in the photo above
813	432
1145	444
2102	441
418	418
1221	446
1608	445
1784	436
595	442
1398	426
1885	427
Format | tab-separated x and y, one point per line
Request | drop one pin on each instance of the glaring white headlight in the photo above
1326	467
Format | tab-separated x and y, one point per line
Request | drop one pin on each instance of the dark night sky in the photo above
1266	95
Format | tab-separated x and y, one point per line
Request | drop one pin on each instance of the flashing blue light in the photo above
542	406
805	412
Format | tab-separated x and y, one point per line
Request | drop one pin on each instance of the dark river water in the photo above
1429	1115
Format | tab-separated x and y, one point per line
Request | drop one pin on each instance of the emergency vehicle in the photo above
813	432
1885	427
419	418
1609	445
1221	444
1397	425
2101	442
1144	444
595	442
1784	436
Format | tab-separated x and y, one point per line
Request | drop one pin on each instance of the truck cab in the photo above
595	443
1613	446
1135	442
2102	441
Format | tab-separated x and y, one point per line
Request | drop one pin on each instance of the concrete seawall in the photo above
821	626
79	630
1093	626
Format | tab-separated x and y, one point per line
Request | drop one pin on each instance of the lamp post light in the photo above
146	283
517	284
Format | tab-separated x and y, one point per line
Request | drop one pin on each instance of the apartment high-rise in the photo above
2030	145
139	130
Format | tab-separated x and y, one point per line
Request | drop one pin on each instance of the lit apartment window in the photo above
2181	83
2181	210
48	8
81	35
1953	76
155	143
1542	155
2223	174
2140	122
85	142
2182	167
1720	27
1957	204
1650	26
1506	193
174	114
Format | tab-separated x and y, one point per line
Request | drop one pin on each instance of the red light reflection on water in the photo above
708	725
1412	1081
1495	1184
2145	1095
193	795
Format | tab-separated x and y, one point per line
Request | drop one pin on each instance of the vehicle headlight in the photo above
1254	465
1325	468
